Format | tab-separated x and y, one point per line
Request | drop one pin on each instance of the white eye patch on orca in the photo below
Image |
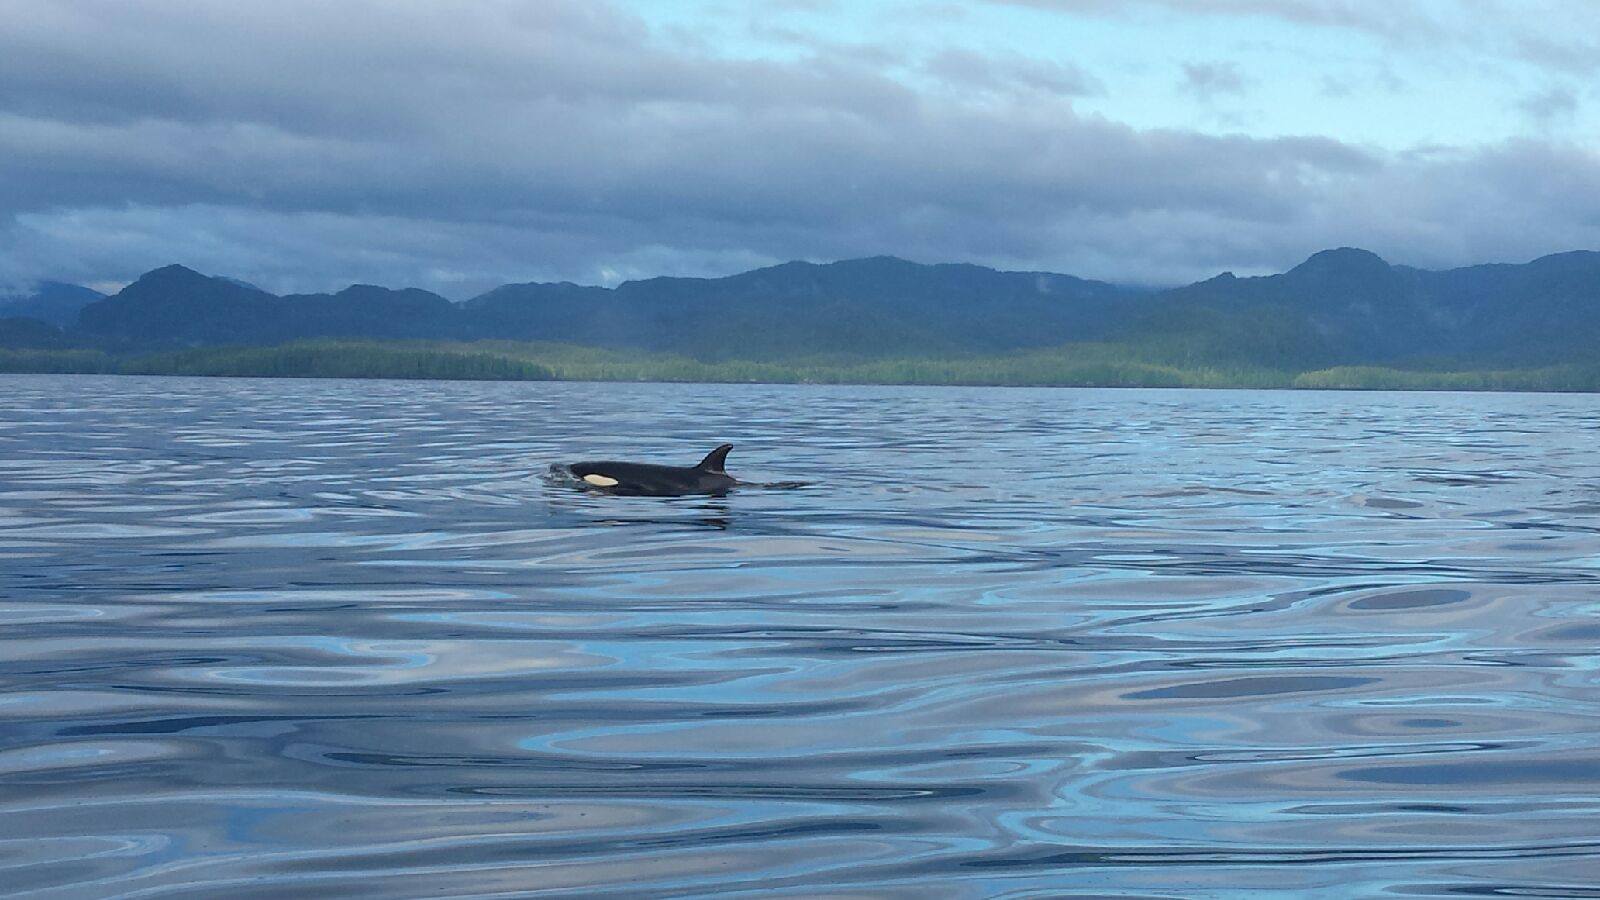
600	480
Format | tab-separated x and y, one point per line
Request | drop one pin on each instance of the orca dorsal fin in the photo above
715	460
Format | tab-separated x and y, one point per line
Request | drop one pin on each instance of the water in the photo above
271	638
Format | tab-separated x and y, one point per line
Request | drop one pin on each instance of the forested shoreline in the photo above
1076	365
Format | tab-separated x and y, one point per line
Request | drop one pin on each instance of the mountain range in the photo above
1339	307
51	301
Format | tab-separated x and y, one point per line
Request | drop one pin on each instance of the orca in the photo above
630	479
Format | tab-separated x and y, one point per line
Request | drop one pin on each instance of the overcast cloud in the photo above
304	145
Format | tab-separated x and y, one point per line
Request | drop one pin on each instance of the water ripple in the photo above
268	638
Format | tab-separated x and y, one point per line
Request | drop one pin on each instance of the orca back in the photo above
651	480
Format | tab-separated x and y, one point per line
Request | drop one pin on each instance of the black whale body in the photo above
632	479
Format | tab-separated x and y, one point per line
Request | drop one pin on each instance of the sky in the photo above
305	145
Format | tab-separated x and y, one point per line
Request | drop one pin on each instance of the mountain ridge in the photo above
1340	306
54	302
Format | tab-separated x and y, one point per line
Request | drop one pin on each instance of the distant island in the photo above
1344	318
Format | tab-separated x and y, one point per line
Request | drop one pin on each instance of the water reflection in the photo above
265	638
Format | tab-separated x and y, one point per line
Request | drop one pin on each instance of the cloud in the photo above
965	69
1386	20
305	145
295	251
1209	80
1556	35
1567	54
1381	79
1546	106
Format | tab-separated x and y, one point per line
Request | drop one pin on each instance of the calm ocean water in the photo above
274	638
